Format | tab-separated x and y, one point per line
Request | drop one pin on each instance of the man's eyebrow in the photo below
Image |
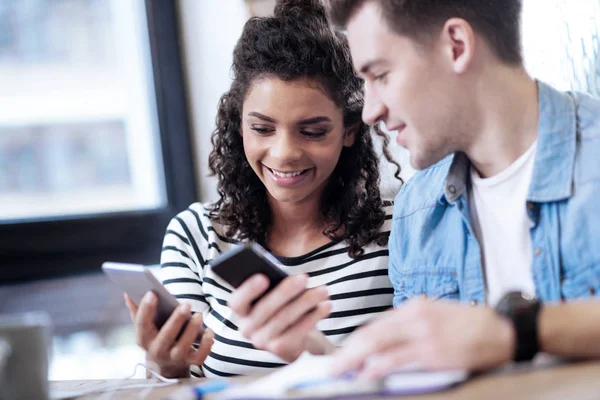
261	116
368	66
314	120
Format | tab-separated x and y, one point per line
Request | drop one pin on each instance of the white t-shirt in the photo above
359	289
498	208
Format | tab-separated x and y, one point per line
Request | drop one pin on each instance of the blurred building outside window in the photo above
78	131
561	41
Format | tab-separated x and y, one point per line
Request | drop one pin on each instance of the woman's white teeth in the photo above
287	174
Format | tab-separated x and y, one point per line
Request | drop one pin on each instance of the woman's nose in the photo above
285	148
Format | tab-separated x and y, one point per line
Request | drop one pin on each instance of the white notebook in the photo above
309	378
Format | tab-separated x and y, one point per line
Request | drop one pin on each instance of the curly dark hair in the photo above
297	42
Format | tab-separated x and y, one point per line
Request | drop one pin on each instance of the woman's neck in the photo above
296	228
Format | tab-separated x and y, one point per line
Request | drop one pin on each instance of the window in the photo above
561	41
94	144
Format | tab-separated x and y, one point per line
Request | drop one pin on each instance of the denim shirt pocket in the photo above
436	283
582	283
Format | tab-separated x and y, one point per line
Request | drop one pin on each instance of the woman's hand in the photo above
172	353
283	321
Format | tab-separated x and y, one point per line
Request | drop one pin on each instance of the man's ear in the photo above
350	134
458	39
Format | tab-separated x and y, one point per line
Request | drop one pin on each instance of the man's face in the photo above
410	87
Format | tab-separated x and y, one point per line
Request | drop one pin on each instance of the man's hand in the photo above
433	335
282	322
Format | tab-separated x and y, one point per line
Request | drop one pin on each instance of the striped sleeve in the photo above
183	259
388	208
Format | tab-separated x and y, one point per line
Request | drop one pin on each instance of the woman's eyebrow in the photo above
261	116
308	121
314	120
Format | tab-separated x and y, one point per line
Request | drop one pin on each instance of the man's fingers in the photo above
144	321
385	332
392	360
241	299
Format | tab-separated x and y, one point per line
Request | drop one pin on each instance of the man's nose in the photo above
374	110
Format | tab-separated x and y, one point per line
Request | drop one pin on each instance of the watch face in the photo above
523	312
514	302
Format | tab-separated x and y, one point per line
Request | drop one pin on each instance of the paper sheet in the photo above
308	368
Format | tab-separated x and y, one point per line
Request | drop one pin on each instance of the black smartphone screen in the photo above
241	263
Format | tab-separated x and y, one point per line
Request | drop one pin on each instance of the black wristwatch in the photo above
523	311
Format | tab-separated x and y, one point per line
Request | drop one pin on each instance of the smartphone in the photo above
239	264
136	281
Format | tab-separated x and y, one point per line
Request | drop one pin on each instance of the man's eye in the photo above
380	77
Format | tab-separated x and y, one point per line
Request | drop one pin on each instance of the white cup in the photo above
25	344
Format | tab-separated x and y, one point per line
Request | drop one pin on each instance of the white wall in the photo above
555	31
210	29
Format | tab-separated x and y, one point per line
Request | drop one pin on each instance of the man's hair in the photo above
497	21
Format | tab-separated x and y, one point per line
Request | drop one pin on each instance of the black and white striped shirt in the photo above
358	288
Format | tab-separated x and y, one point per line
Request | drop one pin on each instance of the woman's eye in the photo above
262	129
314	134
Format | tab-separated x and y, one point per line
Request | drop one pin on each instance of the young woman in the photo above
297	173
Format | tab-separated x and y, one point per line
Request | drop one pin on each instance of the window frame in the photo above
64	246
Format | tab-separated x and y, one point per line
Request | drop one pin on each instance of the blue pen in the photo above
324	381
203	389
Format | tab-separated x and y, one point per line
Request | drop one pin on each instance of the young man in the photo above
505	212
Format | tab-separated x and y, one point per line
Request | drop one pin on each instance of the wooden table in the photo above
567	381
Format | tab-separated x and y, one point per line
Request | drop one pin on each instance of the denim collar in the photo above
552	178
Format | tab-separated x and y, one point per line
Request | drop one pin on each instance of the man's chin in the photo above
420	162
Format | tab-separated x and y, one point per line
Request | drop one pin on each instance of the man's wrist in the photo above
555	323
508	338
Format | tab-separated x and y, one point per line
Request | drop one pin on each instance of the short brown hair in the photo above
498	21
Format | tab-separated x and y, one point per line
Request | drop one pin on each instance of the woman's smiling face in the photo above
293	134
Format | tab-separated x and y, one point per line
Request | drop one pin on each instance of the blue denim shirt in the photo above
433	249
